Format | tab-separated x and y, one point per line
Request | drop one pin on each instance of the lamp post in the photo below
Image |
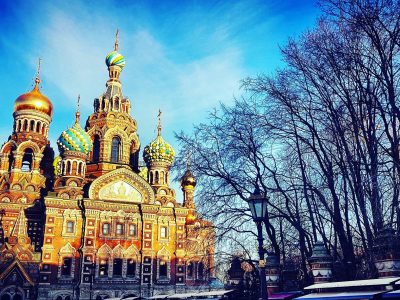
92	270
258	207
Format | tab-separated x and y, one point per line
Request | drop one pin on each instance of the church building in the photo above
92	223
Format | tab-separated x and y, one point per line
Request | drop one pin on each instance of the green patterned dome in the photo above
75	139
159	151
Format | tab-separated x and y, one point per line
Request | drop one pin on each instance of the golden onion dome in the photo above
188	179
34	100
190	218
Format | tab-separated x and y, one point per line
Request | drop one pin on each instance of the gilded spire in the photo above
116	40
159	123
37	79
78	114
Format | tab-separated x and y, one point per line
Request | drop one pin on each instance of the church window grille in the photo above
117	267
115	149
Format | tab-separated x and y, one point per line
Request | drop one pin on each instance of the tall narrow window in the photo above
27	160
70	226
131	267
200	271
120	229
11	160
106	228
96	148
115	149
163	232
117	267
163	270
190	269
103	267
66	266
132	230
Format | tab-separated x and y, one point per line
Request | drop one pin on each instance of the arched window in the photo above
25	125
38	127
79	171
115	149
69	168
151	177
27	160
32	127
96	148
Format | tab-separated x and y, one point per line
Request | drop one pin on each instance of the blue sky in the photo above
183	57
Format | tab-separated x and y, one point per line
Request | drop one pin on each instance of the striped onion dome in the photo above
115	59
75	139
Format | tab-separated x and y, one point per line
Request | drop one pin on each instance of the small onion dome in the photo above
190	218
188	179
75	139
115	59
159	151
34	100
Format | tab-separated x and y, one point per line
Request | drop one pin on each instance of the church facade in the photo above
91	223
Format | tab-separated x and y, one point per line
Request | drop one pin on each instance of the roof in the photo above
342	295
353	283
159	297
182	296
214	293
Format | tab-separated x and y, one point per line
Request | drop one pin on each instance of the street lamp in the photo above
258	207
92	268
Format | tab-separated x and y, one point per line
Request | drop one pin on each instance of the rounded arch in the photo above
28	144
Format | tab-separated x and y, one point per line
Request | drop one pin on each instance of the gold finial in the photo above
37	79
159	123
116	41
78	114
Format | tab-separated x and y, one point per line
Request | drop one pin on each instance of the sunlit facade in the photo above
92	223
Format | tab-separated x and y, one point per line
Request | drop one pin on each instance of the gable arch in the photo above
122	185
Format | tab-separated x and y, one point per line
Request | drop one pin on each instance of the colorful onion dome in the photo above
159	151
188	179
75	139
115	59
34	100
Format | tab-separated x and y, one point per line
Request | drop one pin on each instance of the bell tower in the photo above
26	158
111	128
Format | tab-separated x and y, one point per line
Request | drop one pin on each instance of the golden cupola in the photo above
34	100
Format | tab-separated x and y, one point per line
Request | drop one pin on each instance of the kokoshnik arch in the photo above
92	222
